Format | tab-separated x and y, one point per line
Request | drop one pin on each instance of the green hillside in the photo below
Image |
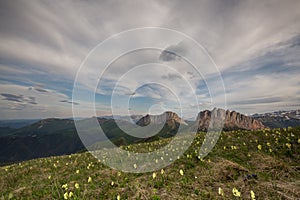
265	162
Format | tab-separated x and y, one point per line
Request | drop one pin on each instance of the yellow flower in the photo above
49	177
221	192
77	171
162	171
268	144
154	175
118	197
181	172
252	195
71	194
119	173
288	145
89	179
65	186
112	183
76	185
259	147
235	192
299	141
134	166
66	195
270	150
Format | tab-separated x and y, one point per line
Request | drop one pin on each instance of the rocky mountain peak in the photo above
166	117
232	120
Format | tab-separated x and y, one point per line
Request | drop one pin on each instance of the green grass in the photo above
235	155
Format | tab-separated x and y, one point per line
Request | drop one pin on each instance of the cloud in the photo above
12	97
19	98
255	44
70	102
173	52
171	77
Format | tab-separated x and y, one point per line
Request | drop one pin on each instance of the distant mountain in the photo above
45	127
17	123
279	119
232	120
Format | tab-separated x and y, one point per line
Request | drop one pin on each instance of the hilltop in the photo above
265	162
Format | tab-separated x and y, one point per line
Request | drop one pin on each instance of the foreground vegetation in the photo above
243	165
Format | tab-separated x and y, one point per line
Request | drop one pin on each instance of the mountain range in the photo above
50	137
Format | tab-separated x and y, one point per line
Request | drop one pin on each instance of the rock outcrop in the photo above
170	118
229	120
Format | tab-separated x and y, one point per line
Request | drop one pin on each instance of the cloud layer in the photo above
255	44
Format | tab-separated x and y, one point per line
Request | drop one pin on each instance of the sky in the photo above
252	46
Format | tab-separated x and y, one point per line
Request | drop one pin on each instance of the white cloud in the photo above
53	38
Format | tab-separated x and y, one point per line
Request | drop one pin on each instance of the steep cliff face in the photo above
230	120
170	118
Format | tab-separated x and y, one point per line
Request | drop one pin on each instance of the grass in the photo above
236	161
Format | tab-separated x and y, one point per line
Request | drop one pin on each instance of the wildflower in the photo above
154	175
224	147
49	177
268	144
89	179
118	197
119	173
65	186
221	192
162	171
54	165
259	147
235	192
66	195
134	166
112	183
299	141
77	171
76	185
71	194
288	145
270	150
252	195
181	172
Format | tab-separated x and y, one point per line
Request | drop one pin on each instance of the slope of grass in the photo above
266	162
